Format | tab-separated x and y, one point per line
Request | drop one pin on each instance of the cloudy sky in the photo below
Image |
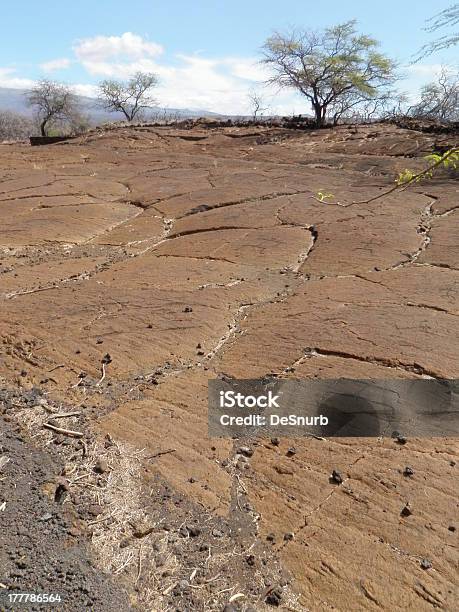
205	52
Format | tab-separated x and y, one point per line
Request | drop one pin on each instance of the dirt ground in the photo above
136	264
40	545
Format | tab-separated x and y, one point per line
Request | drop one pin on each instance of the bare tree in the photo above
360	108
257	104
396	107
439	99
328	67
447	18
14	126
387	104
130	97
78	123
52	102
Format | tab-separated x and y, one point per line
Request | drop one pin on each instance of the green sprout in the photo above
323	196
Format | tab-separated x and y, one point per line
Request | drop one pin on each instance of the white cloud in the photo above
99	49
191	81
81	89
249	69
426	72
199	83
9	79
56	64
120	70
418	75
216	85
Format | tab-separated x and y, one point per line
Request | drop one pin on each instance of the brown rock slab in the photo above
186	254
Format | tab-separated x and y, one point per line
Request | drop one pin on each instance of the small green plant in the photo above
448	160
405	177
323	196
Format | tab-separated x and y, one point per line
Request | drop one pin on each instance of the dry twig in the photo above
159	453
64	432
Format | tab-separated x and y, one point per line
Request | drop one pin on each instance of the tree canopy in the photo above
335	69
129	97
445	19
52	102
439	99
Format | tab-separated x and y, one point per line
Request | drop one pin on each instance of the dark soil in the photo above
41	549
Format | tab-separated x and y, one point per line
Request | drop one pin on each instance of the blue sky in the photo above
205	52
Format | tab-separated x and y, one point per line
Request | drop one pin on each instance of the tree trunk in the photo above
43	127
318	115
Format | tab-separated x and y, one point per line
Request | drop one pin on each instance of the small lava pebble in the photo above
274	598
291	451
289	536
194	532
101	466
275	441
270	537
406	510
245	450
426	564
408	471
336	477
95	509
187	309
399	438
250	560
62	486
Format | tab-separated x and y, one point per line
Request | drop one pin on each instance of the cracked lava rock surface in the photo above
188	254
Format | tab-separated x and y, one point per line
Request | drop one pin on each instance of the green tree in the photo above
130	97
335	69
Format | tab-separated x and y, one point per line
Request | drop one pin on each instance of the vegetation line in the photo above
448	159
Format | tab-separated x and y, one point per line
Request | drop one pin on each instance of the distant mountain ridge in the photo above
14	100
